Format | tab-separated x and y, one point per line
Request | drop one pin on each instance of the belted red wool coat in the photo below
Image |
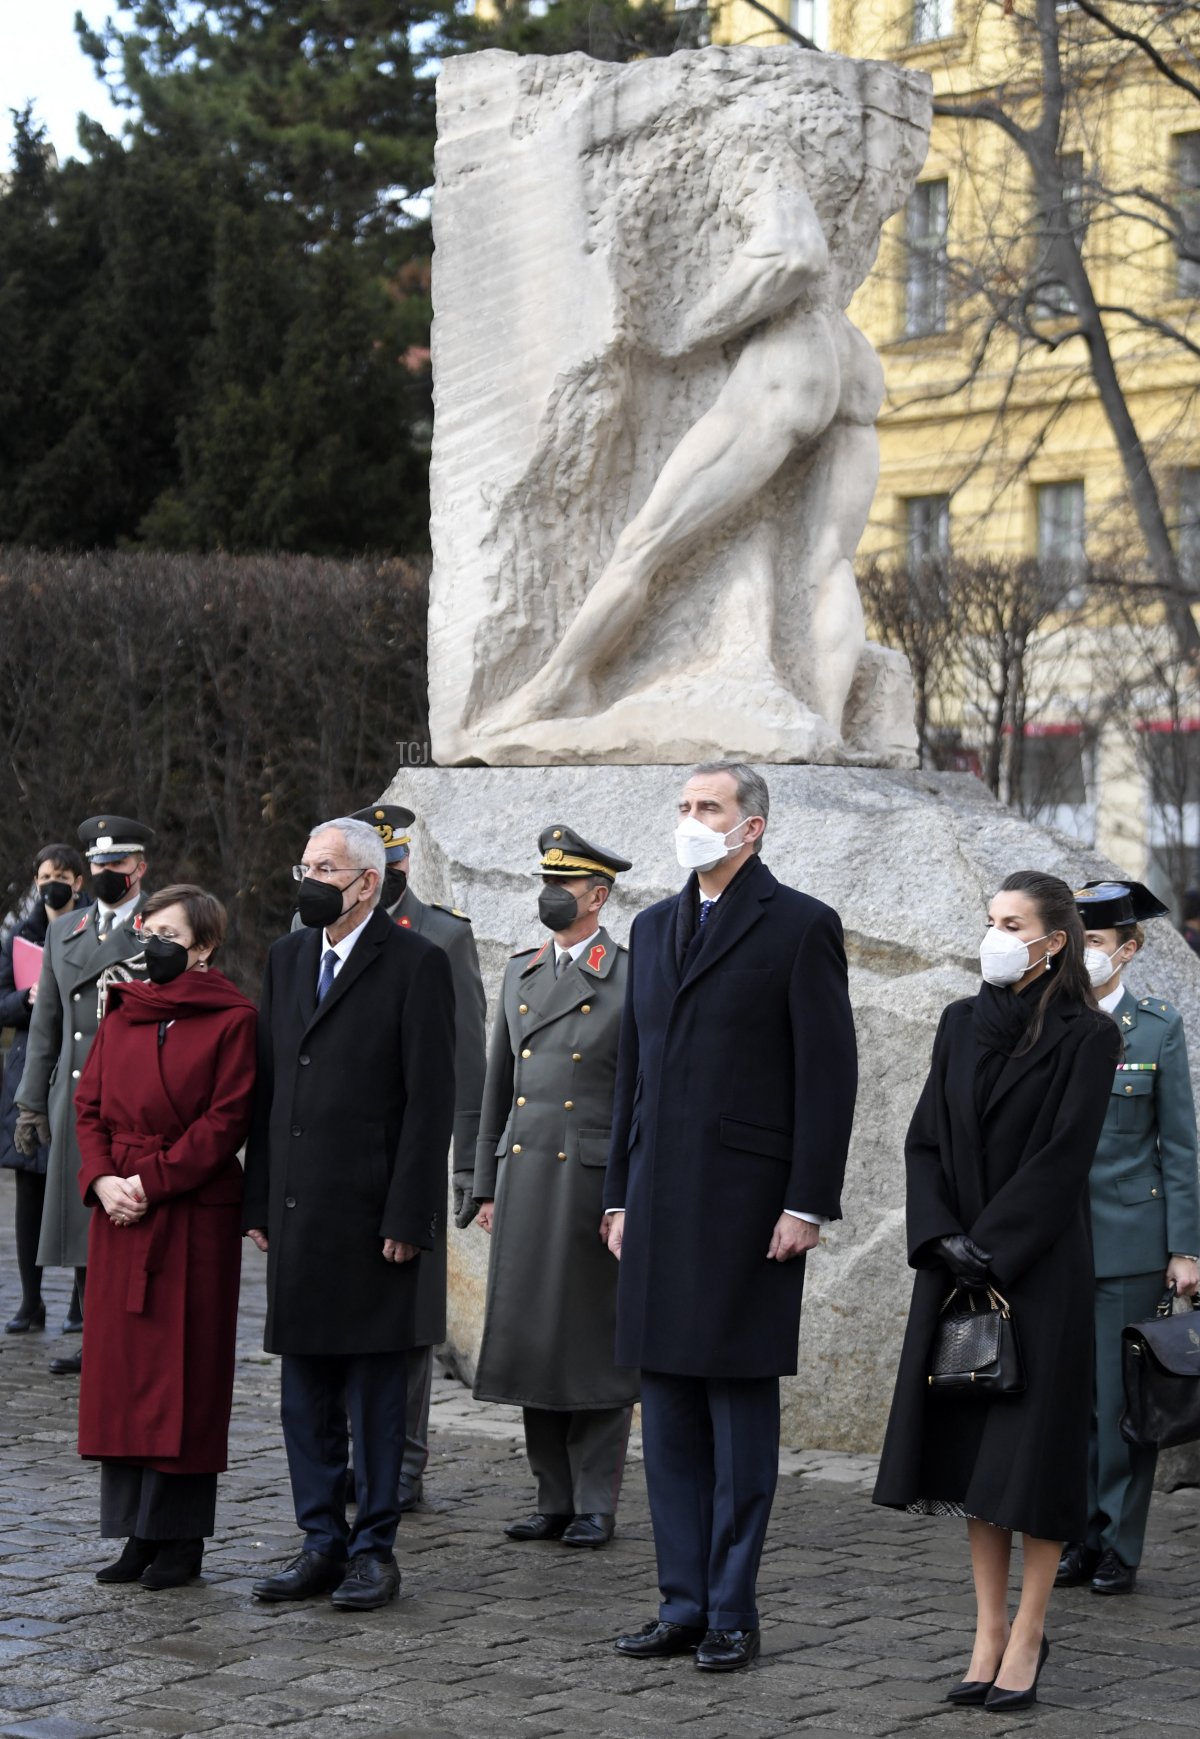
166	1095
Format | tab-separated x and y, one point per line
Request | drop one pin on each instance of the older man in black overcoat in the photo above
345	1183
735	1095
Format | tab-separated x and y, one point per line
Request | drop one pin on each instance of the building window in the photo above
1052	782
1187	196
1053	297
1170	756
927	529
811	19
925	270
932	20
1060	525
1189	526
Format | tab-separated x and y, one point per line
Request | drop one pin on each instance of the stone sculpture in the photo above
654	450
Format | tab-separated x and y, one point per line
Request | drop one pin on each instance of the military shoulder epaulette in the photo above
1155	1005
520	953
450	911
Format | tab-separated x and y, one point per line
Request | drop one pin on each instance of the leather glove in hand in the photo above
465	1205
32	1131
965	1260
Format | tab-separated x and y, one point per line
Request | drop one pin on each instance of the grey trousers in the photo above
155	1506
416	1425
577	1458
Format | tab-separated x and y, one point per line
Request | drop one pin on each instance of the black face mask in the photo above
320	903
395	885
111	886
557	908
57	896
164	960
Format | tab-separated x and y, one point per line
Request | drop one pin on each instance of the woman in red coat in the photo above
161	1110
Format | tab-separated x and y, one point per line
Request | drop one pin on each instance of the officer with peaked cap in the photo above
451	930
66	1015
539	1173
1145	1222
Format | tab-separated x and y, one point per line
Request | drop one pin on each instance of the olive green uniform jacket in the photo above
543	1146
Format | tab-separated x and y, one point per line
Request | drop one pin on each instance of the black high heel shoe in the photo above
971	1693
29	1316
1006	1700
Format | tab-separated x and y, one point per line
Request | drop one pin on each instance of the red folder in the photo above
27	962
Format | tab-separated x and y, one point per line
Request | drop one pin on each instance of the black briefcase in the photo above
1160	1362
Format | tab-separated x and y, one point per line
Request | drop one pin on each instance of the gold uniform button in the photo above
521	1099
577	1056
516	1147
1129	1089
562	1156
523	1009
1153	1192
568	1104
526	1053
586	1009
558	833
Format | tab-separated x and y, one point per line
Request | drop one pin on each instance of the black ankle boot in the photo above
177	1562
136	1556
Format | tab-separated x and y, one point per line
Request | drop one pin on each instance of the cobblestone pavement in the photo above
866	1614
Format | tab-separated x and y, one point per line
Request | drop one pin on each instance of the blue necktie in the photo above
706	907
328	962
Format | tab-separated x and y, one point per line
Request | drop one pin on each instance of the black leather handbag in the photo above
1160	1362
975	1350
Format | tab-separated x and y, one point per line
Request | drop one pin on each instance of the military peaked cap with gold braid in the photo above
391	822
567	854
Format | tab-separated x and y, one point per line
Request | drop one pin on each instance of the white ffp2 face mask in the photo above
700	848
1004	958
1101	966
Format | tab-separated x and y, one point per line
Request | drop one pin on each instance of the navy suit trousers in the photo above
322	1398
711	1448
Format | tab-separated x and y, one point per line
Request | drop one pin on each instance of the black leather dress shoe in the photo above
29	1316
1113	1576
410	1496
369	1582
658	1639
136	1556
72	1325
308	1574
971	1693
1077	1565
724	1651
69	1365
539	1527
589	1531
177	1562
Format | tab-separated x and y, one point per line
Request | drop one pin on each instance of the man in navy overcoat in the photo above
735	1092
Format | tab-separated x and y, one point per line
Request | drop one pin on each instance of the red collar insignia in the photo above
596	956
404	923
83	923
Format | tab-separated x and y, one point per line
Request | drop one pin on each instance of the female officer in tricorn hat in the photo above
1145	1222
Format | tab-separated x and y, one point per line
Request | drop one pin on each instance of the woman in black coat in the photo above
58	872
997	1160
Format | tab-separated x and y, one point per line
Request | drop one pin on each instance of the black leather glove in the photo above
965	1260
465	1205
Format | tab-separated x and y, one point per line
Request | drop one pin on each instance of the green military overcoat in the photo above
1143	1181
65	1020
543	1147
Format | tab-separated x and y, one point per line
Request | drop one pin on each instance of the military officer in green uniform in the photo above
1145	1223
66	1016
539	1174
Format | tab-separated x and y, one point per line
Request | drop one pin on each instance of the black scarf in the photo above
999	1022
689	936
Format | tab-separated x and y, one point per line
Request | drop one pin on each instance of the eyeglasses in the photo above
321	872
161	935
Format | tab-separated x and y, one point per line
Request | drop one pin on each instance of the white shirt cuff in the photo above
813	1219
